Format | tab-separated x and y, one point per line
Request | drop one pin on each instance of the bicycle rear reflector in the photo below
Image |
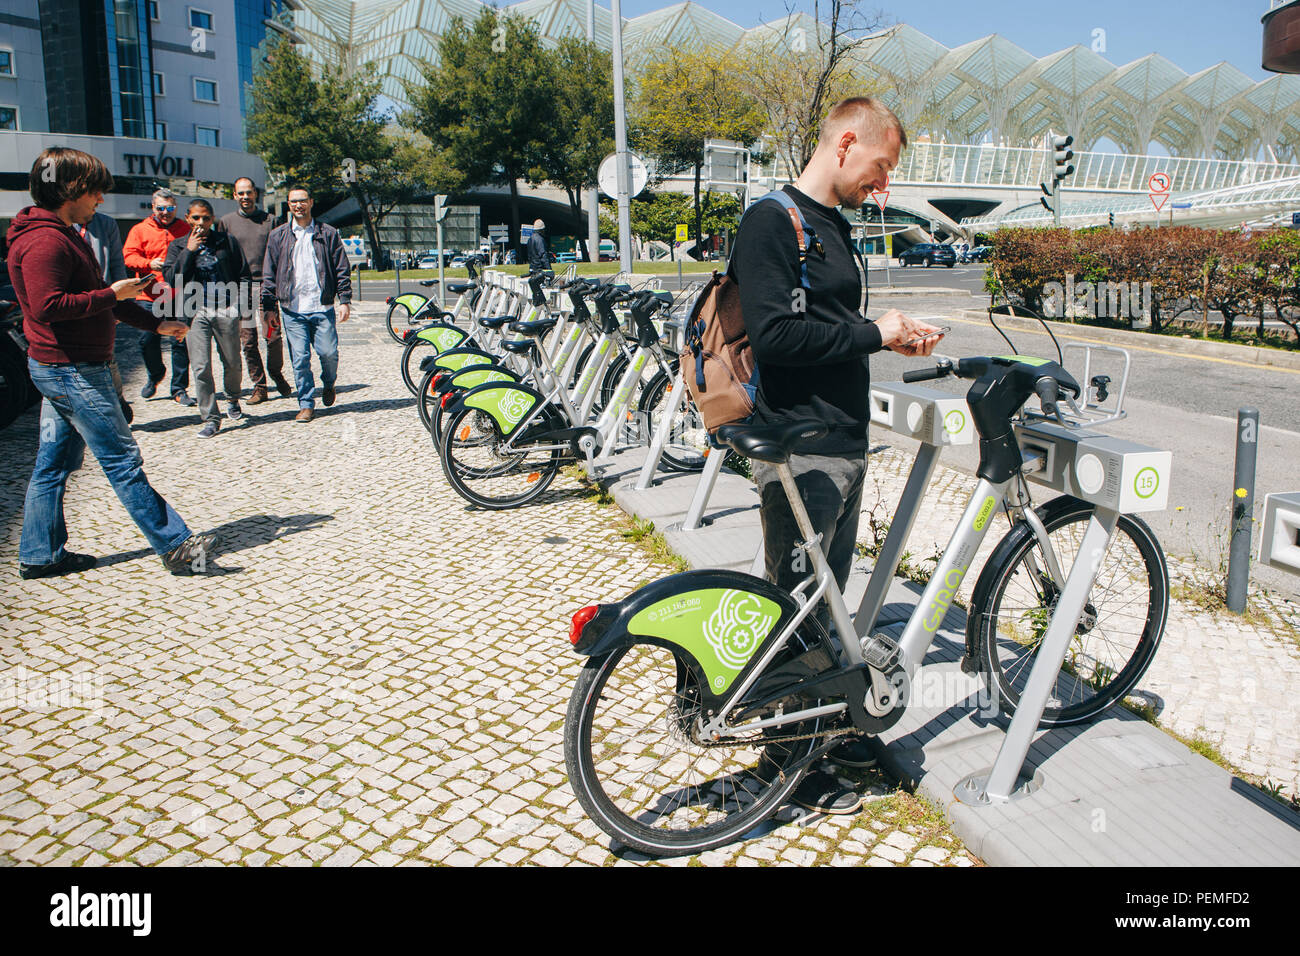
464	434
442	403
580	619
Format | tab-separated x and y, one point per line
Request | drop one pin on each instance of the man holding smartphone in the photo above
70	315
211	279
804	318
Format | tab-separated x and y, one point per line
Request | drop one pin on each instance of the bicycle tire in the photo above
1111	648
638	704
687	448
426	402
481	474
411	362
398	327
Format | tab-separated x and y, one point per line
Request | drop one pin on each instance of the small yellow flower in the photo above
1241	492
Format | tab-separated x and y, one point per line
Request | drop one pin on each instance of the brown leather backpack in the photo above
717	362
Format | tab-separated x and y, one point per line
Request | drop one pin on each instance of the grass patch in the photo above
637	530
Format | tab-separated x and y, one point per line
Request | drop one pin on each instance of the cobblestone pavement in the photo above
1215	676
373	675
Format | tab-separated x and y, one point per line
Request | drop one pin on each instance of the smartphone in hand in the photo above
944	330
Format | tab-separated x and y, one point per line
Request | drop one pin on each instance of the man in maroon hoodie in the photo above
69	317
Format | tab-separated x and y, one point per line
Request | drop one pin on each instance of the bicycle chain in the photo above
791	738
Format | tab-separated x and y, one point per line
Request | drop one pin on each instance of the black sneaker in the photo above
822	793
150	388
234	412
209	429
854	752
183	398
70	563
193	554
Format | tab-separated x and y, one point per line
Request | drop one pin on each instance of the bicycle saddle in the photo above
535	327
456	288
495	321
770	443
519	346
428	282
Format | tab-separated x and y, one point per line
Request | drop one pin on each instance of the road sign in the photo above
607	175
682	233
1160	184
498	232
881	198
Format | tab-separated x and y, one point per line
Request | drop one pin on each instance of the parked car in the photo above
457	263
566	257
928	253
978	254
428	262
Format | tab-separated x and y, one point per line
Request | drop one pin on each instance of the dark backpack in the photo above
717	362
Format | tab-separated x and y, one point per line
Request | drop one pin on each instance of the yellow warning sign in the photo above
681	232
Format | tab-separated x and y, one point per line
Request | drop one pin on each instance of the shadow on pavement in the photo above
248	532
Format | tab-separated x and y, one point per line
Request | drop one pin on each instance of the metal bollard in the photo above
1243	506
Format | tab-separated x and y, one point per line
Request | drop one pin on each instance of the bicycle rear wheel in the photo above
486	474
1117	635
640	771
688	442
398	321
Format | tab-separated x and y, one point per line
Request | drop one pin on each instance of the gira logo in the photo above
939	606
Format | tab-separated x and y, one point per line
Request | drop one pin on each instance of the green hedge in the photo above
1150	274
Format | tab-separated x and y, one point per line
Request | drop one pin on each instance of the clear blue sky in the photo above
1193	34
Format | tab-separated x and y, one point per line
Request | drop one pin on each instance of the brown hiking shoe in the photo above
259	395
282	386
305	415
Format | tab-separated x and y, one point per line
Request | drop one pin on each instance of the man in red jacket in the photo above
144	251
69	317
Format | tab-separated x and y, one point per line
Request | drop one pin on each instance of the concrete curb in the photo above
1249	354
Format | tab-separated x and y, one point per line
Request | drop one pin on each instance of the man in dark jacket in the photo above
251	226
811	344
211	279
305	270
539	259
69	318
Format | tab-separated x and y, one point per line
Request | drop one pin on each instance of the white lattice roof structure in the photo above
989	87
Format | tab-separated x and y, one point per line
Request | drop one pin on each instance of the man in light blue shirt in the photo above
304	271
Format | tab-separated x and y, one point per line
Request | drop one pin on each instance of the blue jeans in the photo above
316	329
80	410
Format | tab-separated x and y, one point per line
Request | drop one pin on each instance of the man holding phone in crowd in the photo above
144	251
211	281
811	344
251	226
70	315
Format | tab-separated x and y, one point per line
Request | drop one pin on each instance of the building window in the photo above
205	91
153	10
159	130
159	87
200	20
9	118
6	62
207	136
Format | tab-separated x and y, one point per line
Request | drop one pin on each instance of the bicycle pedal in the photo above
881	652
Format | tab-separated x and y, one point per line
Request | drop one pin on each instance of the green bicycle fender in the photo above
455	361
508	403
412	301
442	337
480	375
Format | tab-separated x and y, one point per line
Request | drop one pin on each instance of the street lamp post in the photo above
620	145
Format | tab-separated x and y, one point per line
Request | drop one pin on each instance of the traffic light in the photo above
1061	156
1047	204
1112	220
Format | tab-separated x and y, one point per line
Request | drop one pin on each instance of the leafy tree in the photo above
488	103
304	127
1277	277
801	68
581	131
683	99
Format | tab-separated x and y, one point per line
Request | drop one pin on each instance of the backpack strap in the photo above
805	235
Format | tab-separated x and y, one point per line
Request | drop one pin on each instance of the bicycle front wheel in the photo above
640	771
398	321
688	442
1116	636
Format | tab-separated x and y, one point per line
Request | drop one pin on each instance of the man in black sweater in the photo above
811	342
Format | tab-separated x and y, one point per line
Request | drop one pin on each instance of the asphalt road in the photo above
1187	404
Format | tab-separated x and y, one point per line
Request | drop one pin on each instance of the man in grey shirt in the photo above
250	226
